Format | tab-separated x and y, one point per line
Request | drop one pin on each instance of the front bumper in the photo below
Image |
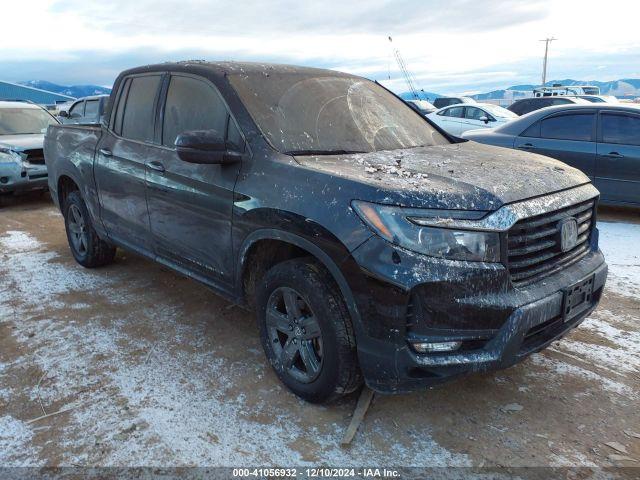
498	325
22	176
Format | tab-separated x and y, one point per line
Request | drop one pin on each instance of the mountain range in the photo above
627	87
75	91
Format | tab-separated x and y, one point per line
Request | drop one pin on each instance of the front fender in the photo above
312	238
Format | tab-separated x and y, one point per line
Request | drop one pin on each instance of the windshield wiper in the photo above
322	152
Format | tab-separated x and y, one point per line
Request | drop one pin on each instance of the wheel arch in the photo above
299	246
65	184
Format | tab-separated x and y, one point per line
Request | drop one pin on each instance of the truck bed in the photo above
69	150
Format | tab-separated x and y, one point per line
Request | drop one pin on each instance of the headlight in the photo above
409	229
9	156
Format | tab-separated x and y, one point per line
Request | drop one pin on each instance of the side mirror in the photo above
484	119
204	147
63	114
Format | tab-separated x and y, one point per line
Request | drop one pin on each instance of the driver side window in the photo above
77	110
193	104
474	113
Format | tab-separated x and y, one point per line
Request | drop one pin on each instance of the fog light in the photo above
429	347
4	179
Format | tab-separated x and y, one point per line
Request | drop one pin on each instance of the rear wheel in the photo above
87	248
306	331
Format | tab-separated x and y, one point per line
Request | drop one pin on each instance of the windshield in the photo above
497	111
301	112
20	121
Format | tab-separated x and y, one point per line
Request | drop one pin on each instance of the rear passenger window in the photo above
455	112
622	129
568	127
139	111
192	105
119	110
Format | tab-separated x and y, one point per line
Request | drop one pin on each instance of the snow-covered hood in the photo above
466	176
20	143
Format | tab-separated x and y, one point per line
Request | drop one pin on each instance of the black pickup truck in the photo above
371	245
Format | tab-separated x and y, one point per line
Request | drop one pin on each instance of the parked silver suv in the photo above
22	129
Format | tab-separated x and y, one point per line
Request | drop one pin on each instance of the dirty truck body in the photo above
434	257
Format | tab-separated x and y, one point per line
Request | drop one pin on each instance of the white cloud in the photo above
461	43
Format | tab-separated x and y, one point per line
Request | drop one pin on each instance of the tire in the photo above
306	331
87	248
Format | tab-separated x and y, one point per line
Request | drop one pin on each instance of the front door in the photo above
471	120
618	160
120	162
190	205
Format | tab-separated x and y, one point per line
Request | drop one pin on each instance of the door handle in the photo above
106	152
527	146
614	155
157	166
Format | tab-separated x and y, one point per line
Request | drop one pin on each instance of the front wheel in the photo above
306	331
87	248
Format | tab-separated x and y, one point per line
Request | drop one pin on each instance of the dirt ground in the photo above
150	368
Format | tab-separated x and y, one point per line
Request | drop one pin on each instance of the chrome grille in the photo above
534	250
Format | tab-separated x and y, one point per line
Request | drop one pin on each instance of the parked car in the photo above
597	98
602	140
85	110
22	127
557	90
370	243
528	105
442	102
457	119
423	107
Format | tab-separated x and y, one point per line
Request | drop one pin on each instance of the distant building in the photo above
13	91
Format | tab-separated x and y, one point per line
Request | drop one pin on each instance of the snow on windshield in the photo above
301	112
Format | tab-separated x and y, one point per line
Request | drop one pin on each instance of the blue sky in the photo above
453	46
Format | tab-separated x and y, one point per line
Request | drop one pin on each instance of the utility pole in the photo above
546	41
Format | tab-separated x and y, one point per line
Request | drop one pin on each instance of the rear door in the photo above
618	159
190	205
451	119
566	136
120	165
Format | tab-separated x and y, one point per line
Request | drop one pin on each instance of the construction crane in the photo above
405	72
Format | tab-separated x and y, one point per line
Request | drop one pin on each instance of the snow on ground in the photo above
622	349
169	398
178	405
39	277
15	443
620	243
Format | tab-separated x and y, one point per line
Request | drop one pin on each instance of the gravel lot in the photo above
154	369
